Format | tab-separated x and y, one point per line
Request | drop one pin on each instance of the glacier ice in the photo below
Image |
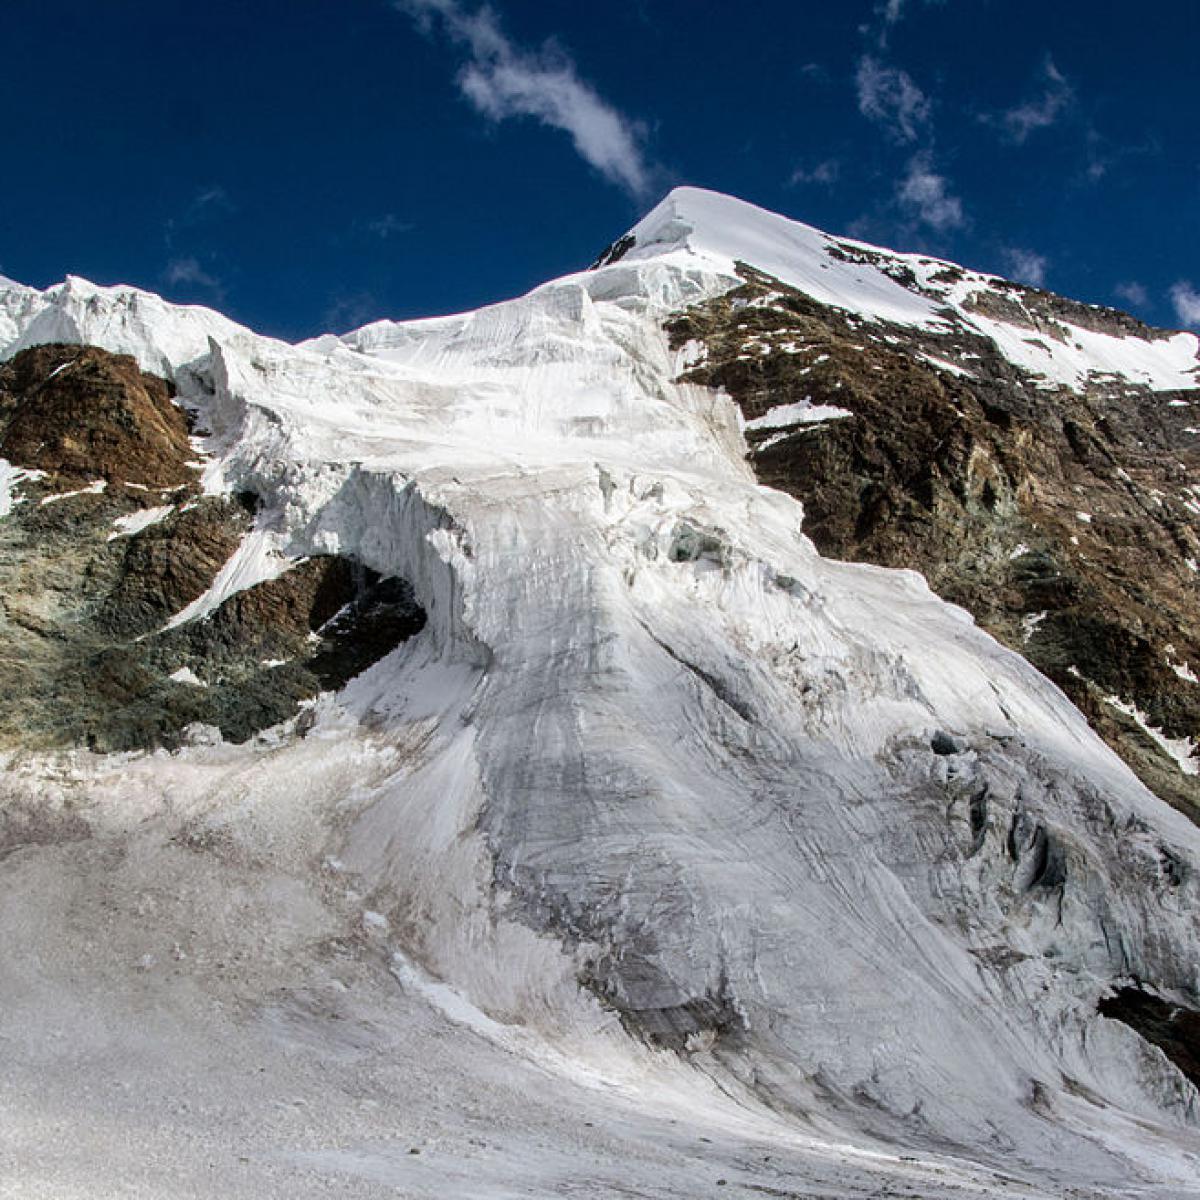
652	802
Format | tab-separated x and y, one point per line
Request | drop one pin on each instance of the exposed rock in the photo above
168	565
86	414
1064	521
251	662
615	252
942	743
89	579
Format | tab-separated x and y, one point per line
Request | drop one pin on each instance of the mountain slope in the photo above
1051	497
659	804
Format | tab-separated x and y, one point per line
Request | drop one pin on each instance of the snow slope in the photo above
649	739
723	231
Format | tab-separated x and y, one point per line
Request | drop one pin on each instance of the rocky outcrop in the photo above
1064	520
83	414
109	538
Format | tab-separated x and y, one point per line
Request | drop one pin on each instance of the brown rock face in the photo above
1064	522
85	414
170	564
86	657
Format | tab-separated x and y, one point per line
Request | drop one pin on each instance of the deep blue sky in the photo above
313	164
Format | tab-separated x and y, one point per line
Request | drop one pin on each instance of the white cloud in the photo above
889	97
824	173
1026	266
889	14
1056	99
189	271
1132	293
503	80
1187	304
926	194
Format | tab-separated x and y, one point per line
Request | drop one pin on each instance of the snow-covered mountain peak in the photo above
728	231
1063	342
161	335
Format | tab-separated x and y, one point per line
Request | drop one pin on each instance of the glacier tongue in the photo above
661	787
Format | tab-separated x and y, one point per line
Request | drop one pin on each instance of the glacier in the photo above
668	853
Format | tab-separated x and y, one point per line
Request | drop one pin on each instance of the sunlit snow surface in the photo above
648	736
724	231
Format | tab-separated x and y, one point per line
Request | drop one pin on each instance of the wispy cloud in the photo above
926	195
1054	100
1103	155
350	310
1026	266
889	97
826	173
389	225
1187	304
1132	293
503	80
208	204
187	271
187	232
889	14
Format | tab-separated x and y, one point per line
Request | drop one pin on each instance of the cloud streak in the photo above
188	271
1187	304
825	173
890	13
1056	100
1132	293
1026	266
502	80
927	196
890	98
389	225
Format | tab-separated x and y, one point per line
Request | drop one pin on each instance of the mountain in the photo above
721	719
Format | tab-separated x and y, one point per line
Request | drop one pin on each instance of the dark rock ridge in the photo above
1065	522
110	537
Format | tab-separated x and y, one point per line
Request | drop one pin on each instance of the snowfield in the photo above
635	873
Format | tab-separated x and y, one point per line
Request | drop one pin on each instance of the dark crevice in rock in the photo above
978	812
670	1026
711	682
943	744
1040	861
1173	1028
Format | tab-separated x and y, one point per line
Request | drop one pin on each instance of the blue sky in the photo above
314	164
